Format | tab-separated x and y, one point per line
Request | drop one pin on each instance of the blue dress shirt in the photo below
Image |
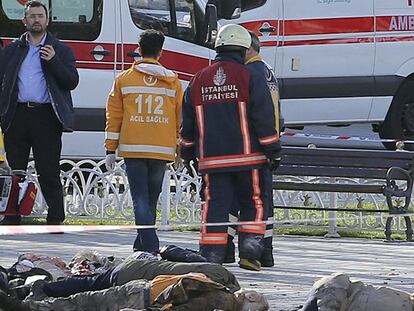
31	79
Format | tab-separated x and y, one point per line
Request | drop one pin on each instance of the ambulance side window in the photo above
174	18
69	19
76	19
185	20
72	11
251	4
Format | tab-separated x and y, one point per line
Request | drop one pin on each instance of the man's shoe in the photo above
55	222
11	220
267	258
250	264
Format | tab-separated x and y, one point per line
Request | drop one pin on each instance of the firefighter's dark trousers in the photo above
252	190
268	236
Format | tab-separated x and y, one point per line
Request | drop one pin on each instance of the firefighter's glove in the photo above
274	163
110	161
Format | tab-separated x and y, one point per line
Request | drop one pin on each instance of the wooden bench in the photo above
393	169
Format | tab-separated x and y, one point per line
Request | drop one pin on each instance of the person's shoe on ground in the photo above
54	222
267	259
11	220
230	253
178	254
249	264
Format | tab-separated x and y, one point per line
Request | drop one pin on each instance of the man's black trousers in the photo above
38	128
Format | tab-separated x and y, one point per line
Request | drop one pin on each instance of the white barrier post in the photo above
333	202
165	201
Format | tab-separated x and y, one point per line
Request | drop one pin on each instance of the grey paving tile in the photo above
299	260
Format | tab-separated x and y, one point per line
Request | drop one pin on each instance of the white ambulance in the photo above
338	61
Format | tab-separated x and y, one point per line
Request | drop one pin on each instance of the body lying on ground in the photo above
208	286
338	293
133	269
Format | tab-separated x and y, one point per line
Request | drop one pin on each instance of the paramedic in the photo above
142	121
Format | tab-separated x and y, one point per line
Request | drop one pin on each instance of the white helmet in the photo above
233	35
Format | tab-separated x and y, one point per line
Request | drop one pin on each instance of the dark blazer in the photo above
60	73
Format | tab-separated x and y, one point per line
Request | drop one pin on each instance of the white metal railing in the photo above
91	192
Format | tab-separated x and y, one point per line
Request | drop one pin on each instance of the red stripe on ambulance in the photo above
329	26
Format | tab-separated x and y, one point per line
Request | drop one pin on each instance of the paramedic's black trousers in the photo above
38	128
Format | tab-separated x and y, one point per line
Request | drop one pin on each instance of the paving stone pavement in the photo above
299	260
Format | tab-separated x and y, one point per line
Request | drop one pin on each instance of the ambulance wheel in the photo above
399	122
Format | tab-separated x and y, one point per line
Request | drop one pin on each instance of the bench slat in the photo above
327	187
299	170
344	161
334	152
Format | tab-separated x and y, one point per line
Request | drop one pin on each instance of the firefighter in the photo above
229	128
255	62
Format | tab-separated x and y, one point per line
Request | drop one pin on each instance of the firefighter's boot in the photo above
267	259
250	264
230	251
250	250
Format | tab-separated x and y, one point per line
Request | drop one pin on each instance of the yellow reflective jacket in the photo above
143	112
2	152
259	64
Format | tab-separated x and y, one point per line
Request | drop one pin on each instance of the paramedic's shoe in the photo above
267	259
250	264
11	221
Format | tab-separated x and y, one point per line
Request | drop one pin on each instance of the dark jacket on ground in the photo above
60	74
132	269
229	118
149	269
